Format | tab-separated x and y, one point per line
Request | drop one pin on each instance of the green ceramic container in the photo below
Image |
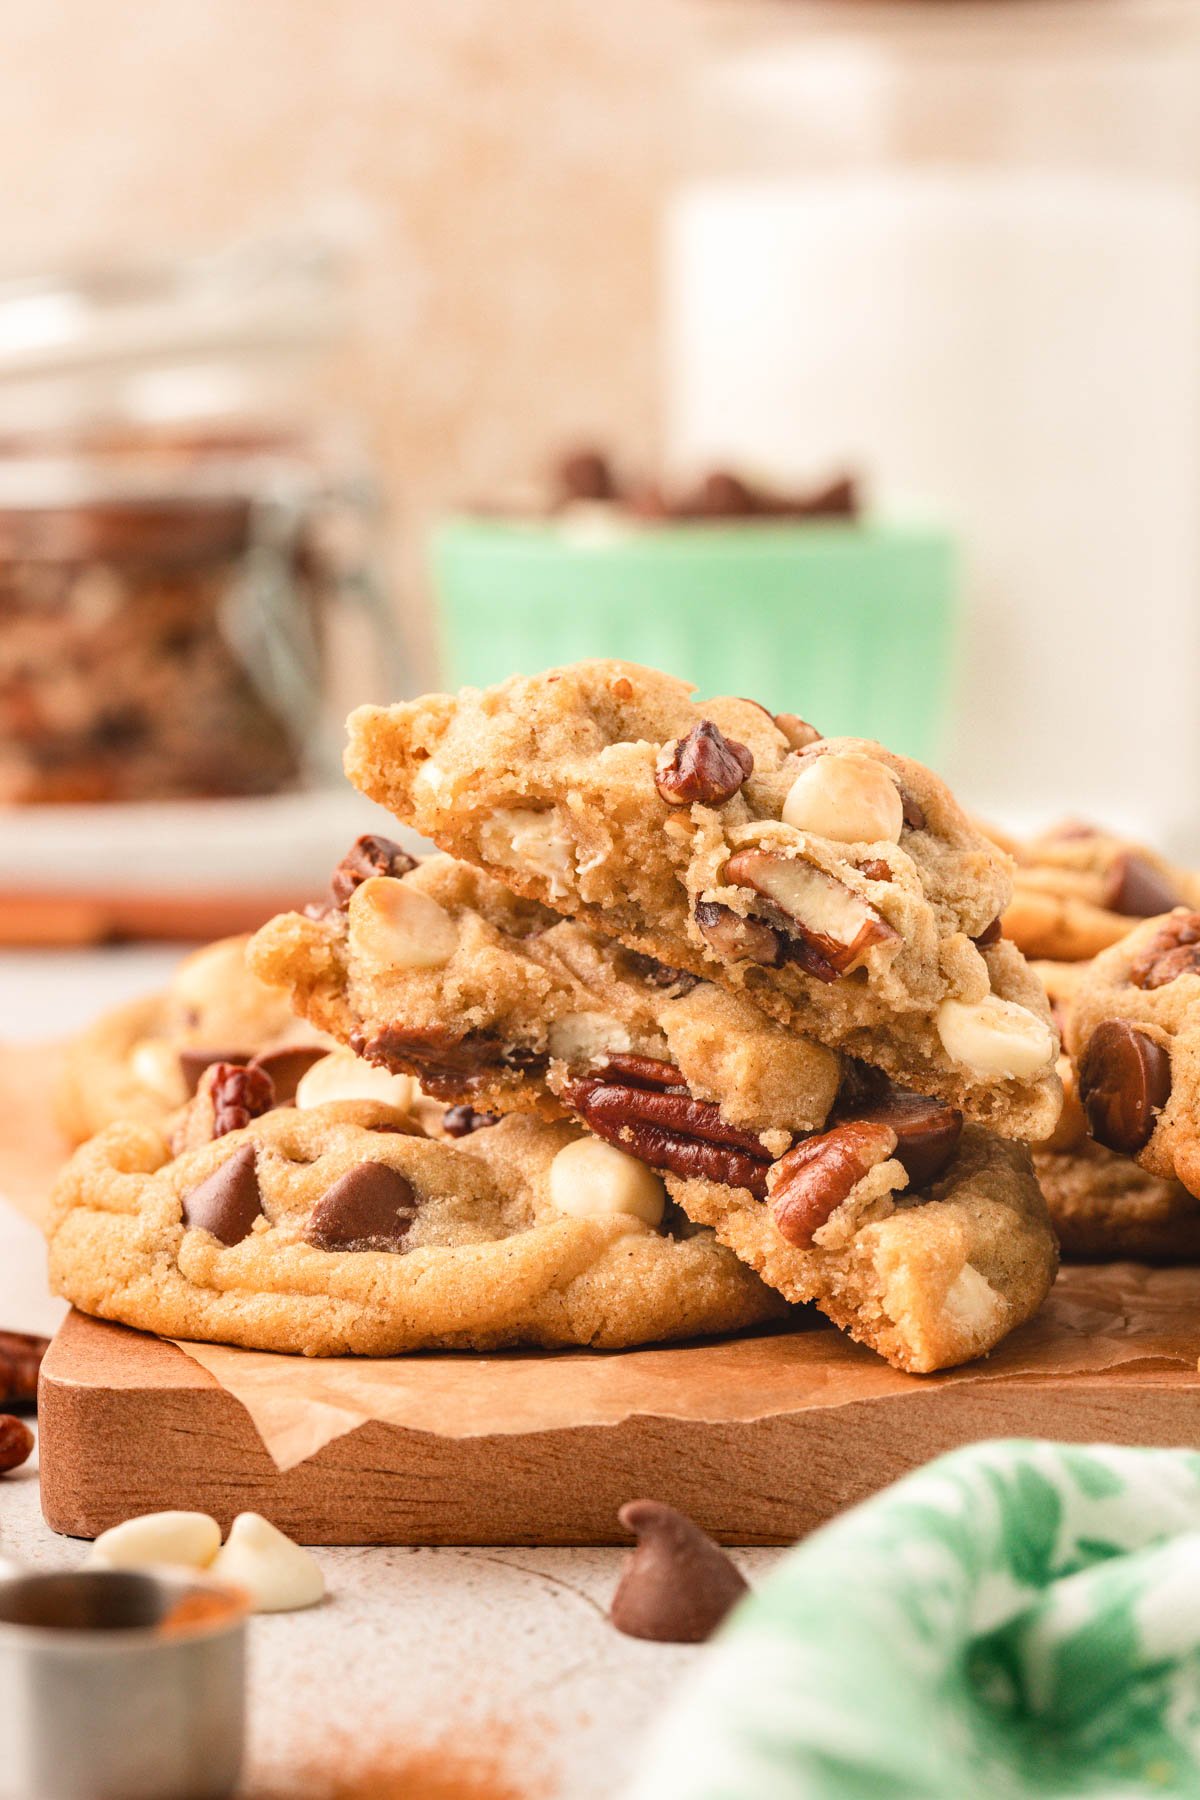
851	626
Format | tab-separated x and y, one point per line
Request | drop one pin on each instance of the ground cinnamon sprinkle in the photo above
420	1772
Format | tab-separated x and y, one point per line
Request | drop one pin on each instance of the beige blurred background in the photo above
494	170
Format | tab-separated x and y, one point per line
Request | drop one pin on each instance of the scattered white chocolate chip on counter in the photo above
994	1037
278	1575
343	1076
183	1539
593	1180
398	925
848	797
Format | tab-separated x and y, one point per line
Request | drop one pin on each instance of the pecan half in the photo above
809	1184
831	927
670	1130
1173	950
368	855
447	1064
735	937
704	766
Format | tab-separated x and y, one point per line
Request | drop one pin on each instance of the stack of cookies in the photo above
1106	916
702	1016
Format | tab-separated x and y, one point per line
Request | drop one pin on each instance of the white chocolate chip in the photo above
590	1179
185	1539
523	839
155	1063
971	1303
847	797
399	926
343	1076
209	971
584	1036
994	1037
278	1575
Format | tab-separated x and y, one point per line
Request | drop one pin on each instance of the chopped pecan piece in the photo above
238	1093
830	925
875	869
809	1184
670	1131
704	766
798	732
642	1071
733	936
447	1064
658	975
1173	950
368	855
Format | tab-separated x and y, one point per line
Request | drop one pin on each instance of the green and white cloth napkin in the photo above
1014	1619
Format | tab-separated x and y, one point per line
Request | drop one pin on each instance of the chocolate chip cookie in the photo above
325	1233
789	1151
837	885
1078	889
493	1001
1133	1031
142	1060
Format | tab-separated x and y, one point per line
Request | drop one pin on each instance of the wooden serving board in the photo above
130	1424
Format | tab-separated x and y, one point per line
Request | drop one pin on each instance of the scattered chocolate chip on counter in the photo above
678	1585
16	1443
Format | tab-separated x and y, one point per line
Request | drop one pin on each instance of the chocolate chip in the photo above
369	1208
462	1121
228	1201
287	1067
368	855
678	1586
914	812
1135	888
583	475
988	936
659	975
927	1131
193	1063
1124	1081
704	766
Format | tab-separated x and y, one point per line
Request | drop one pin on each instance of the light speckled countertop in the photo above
504	1653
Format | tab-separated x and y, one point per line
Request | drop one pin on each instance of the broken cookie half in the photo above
923	1240
837	885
